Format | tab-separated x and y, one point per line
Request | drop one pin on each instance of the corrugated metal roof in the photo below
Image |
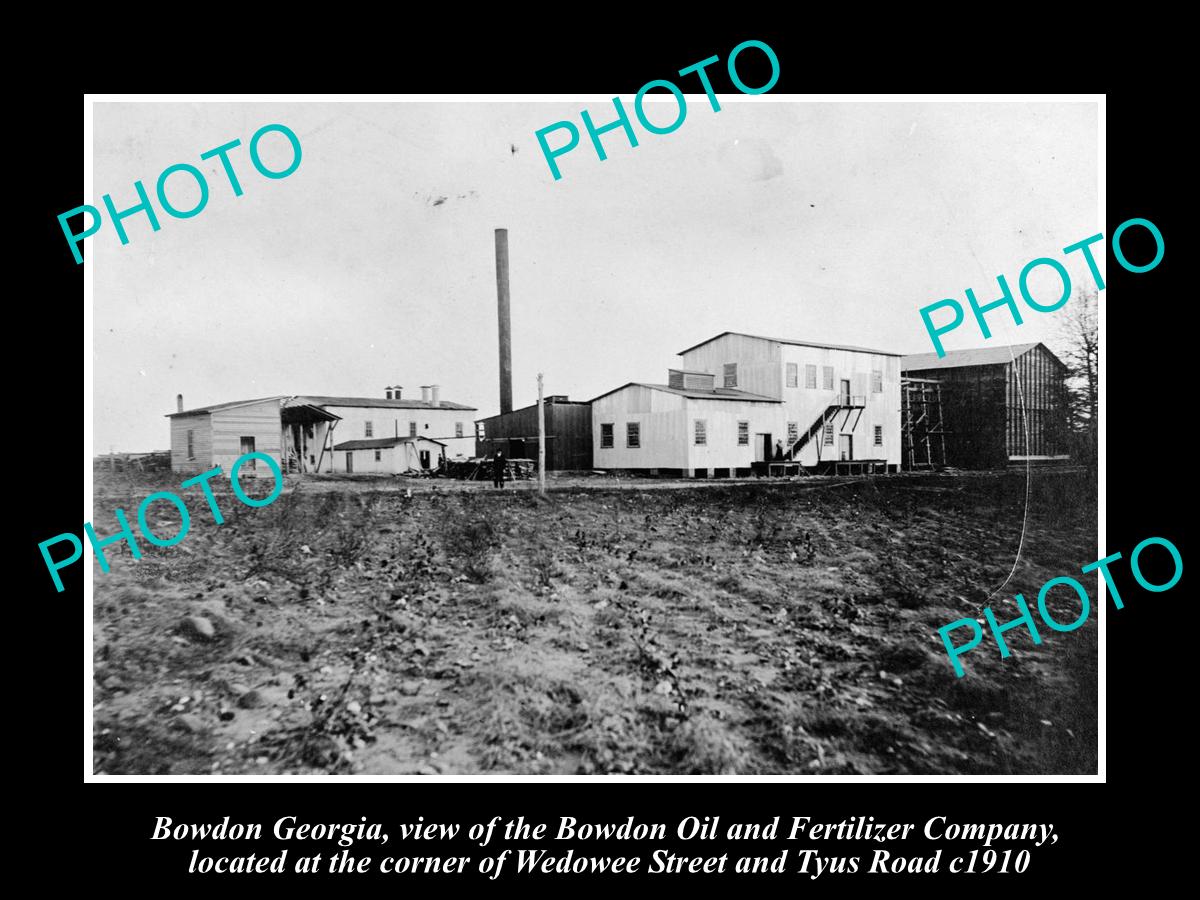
777	340
378	402
696	394
380	443
975	356
217	407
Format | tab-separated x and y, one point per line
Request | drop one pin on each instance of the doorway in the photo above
424	454
845	392
846	446
247	446
349	461
762	452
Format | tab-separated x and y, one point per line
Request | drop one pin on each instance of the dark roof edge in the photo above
817	344
682	392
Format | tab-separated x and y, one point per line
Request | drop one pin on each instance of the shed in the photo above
392	456
568	434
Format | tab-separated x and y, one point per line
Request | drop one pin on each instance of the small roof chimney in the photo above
179	403
435	392
424	393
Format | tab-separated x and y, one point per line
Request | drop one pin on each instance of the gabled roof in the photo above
218	407
380	443
695	393
379	402
975	356
777	340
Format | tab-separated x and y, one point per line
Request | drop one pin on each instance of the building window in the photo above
810	375
633	435
793	375
743	434
827	371
878	435
191	444
606	436
378	455
369	429
480	430
828	434
412	429
877	381
730	375
793	433
458	429
701	427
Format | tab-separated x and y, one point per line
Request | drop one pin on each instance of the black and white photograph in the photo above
474	437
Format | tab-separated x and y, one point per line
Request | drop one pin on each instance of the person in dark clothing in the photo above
498	469
779	450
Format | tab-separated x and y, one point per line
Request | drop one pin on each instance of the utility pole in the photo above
541	439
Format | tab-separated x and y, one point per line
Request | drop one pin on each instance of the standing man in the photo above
498	469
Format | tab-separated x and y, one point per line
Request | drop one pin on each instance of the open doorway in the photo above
846	446
762	447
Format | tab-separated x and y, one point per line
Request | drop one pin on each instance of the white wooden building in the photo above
391	456
685	427
841	404
741	402
300	432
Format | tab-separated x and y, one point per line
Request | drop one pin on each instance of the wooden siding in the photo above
568	435
1035	399
392	461
759	368
435	423
668	430
762	369
260	421
721	449
986	409
663	422
201	427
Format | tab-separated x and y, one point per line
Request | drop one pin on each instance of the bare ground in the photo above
751	629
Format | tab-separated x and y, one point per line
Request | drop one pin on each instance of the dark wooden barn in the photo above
999	405
568	434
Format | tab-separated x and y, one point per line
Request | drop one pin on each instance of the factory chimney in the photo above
179	403
505	323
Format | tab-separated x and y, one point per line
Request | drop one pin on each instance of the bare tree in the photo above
1080	338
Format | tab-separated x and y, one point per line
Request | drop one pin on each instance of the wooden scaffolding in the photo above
924	432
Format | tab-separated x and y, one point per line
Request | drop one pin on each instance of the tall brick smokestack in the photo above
505	322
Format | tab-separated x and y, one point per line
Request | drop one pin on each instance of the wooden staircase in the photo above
827	415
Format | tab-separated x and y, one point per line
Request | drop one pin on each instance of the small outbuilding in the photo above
568	434
391	456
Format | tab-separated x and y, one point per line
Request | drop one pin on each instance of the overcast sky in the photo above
373	264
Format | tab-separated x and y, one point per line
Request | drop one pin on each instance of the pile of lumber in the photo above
480	469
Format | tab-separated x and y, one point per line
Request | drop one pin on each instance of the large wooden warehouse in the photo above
999	404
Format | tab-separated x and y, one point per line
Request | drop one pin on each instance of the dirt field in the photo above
752	629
